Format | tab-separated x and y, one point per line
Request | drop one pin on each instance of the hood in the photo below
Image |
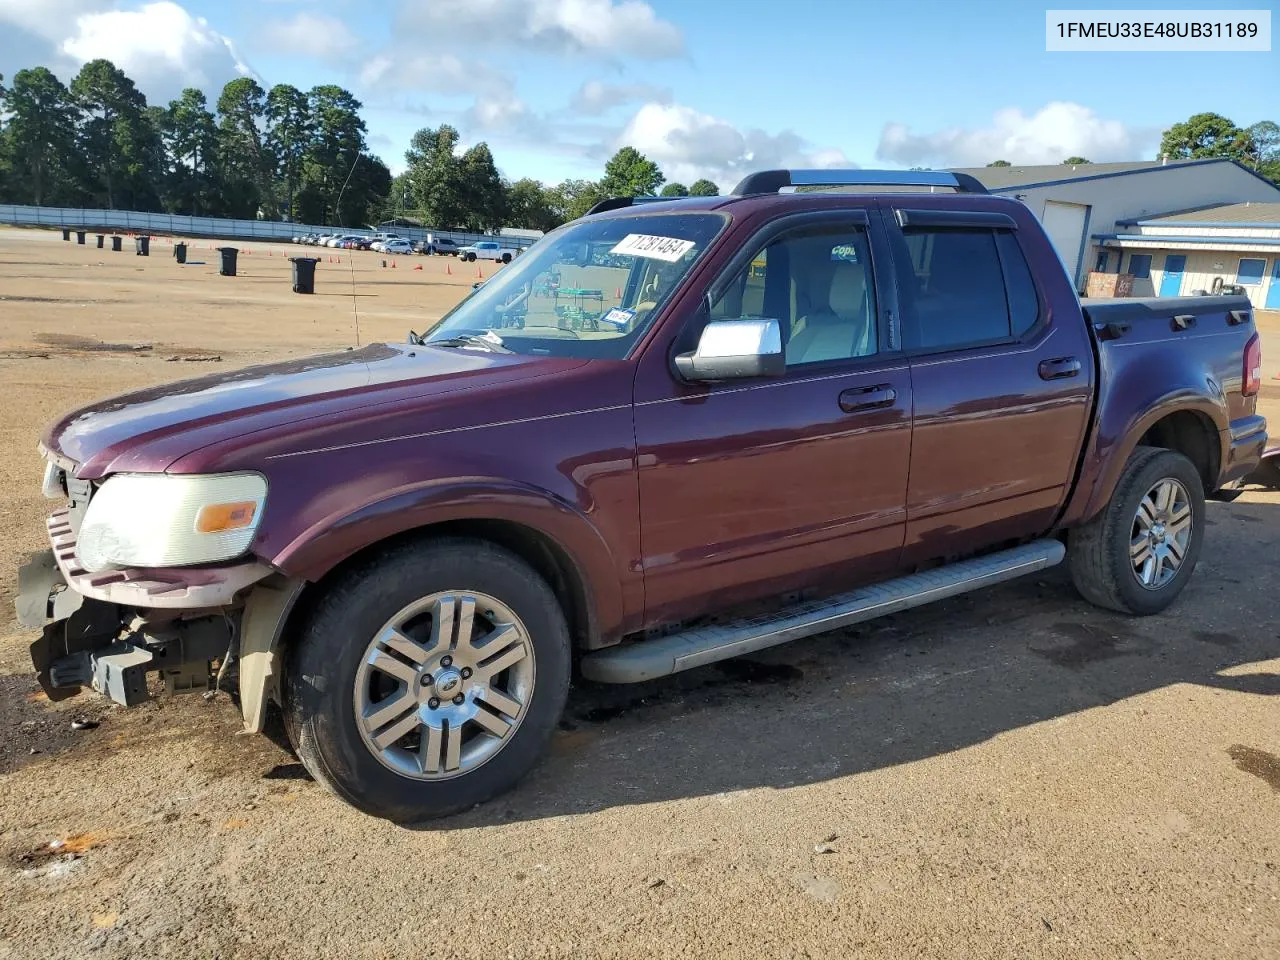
173	419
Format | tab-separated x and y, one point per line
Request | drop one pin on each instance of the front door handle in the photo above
1060	368
868	398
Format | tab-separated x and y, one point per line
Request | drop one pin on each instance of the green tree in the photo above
116	138
573	198
39	136
436	176
629	173
1265	136
674	190
483	190
289	133
704	188
337	147
1076	161
364	193
1206	135
532	206
999	163
190	138
399	201
245	166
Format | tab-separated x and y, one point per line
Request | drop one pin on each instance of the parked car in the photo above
397	246
488	250
436	246
867	401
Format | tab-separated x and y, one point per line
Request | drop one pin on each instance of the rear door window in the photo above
963	287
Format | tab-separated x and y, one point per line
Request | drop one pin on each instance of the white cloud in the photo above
1056	131
432	72
159	45
606	28
309	34
596	97
689	145
48	19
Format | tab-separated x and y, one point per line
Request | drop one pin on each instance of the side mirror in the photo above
735	349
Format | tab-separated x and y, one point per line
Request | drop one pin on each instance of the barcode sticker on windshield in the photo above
658	248
618	317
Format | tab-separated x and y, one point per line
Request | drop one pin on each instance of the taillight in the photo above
1252	366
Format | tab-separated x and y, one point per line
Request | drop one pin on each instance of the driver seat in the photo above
843	328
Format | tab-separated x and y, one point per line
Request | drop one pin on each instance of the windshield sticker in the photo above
847	253
618	317
657	248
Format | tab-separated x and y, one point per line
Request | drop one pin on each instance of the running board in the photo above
647	659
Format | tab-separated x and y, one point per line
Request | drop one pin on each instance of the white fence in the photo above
135	221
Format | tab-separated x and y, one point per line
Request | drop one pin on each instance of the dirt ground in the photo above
1009	774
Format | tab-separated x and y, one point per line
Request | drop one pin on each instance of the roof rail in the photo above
772	181
617	203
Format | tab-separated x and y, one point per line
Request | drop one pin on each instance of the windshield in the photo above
589	289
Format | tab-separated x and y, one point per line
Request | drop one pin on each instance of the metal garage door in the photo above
1065	222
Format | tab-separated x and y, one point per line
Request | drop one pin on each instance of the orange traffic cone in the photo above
448	269
479	273
418	267
393	264
617	294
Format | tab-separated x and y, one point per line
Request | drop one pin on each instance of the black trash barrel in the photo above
180	252
101	238
80	237
228	268
66	234
142	246
304	274
115	243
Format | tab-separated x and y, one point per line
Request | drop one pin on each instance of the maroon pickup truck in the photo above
668	434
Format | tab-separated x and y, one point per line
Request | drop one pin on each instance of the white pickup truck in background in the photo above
488	250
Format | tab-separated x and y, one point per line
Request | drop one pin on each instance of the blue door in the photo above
1273	291
1171	280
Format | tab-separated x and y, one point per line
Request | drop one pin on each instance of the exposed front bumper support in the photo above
90	642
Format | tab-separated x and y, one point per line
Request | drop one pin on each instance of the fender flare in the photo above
1112	456
314	552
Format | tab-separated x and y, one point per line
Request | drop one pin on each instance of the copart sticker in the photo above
658	248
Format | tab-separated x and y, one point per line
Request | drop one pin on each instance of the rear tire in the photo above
1137	555
506	258
393	695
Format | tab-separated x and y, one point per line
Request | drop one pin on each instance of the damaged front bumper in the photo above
87	641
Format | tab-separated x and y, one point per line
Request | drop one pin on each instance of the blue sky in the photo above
707	87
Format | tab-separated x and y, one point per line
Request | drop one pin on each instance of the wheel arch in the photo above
1194	426
275	610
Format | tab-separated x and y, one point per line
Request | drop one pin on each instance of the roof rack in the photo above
772	181
617	203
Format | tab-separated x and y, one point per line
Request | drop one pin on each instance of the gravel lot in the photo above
1009	774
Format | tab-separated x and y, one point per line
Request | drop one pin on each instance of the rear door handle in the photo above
1060	368
868	398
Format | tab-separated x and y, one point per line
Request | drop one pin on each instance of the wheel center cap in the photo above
448	682
1157	531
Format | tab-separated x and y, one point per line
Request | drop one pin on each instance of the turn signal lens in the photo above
220	517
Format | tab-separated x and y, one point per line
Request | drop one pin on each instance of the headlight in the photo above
170	520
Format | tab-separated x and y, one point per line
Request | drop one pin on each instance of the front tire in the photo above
428	679
1137	555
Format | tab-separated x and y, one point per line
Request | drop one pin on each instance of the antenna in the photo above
351	262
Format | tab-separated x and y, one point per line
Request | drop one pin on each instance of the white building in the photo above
1099	214
1184	253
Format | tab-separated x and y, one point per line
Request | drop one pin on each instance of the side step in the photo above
645	660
